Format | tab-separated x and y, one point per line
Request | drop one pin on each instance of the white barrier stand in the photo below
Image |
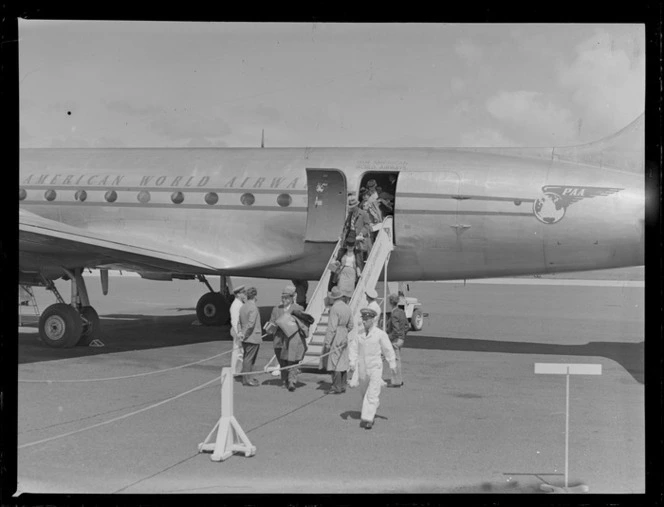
230	437
567	370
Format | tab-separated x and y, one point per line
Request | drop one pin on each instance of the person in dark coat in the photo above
301	288
397	327
251	333
339	324
295	345
278	336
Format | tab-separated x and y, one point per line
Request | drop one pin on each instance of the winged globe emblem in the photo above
551	207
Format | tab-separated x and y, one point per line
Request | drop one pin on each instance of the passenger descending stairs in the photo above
378	257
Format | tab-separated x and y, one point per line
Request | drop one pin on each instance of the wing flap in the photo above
47	242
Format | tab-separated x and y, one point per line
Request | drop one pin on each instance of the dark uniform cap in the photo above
368	313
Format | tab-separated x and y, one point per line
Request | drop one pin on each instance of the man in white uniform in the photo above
372	295
240	294
365	355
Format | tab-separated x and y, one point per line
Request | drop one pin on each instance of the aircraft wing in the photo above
47	245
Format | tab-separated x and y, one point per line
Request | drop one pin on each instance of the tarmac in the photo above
472	417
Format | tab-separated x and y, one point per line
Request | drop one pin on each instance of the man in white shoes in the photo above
365	355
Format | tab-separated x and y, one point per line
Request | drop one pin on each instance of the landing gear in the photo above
62	325
213	308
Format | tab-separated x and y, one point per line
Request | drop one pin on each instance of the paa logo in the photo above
551	207
320	187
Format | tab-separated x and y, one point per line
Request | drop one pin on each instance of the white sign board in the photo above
571	368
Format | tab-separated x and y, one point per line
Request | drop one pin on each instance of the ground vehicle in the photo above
411	306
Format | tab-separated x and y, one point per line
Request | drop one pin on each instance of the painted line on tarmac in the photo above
154	405
28	381
548	281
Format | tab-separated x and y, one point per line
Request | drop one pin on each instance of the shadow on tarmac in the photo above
629	355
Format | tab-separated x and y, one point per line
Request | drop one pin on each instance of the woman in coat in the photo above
349	269
295	345
339	324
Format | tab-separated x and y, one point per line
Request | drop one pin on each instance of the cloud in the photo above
468	51
545	122
68	142
24	136
485	137
124	107
607	79
109	142
187	126
268	113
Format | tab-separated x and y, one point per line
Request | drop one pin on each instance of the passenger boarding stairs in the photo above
378	258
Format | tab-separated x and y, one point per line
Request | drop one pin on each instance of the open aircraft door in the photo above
426	202
326	209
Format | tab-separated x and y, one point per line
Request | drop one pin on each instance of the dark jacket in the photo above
397	325
250	323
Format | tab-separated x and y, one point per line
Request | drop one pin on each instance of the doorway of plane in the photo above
377	194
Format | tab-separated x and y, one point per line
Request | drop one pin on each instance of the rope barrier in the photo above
125	376
154	405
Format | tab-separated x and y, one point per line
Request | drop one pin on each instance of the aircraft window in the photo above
111	196
143	196
22	194
247	199
50	195
81	195
177	197
517	202
284	200
211	198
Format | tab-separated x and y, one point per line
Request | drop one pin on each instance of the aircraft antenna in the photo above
263	138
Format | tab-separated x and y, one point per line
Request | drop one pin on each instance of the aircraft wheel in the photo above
417	320
60	326
91	328
212	309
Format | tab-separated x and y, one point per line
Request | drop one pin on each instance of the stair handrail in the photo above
379	255
316	306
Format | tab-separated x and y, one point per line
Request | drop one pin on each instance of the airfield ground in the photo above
472	416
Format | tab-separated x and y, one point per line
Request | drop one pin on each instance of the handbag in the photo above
354	380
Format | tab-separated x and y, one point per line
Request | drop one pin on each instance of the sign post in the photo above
567	370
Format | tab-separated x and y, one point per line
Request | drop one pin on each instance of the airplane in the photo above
459	213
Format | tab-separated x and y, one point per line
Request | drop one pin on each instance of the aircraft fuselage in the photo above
244	212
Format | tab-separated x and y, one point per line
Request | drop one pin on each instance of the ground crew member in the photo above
339	324
295	346
240	294
397	327
371	296
301	288
278	337
365	356
251	333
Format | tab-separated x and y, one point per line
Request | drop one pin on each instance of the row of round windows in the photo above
143	196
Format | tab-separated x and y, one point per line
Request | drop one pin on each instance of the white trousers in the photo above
237	355
370	391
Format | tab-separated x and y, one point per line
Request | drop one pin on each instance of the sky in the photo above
158	84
